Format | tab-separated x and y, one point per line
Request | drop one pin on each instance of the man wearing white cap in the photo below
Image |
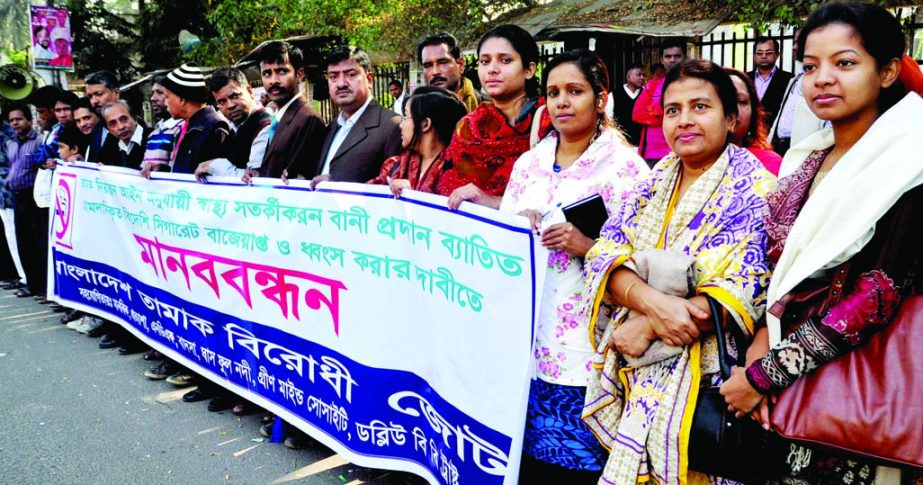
205	134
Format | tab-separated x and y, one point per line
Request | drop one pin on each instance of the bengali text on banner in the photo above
396	332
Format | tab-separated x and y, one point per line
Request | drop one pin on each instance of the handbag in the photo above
868	402
41	191
719	443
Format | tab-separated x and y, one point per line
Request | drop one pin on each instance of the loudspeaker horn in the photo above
16	83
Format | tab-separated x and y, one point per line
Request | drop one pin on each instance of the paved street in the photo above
76	414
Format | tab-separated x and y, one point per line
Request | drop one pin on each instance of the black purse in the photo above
719	443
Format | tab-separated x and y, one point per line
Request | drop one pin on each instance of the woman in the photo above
696	224
489	139
835	213
584	156
751	132
426	129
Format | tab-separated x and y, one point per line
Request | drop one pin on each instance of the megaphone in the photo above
16	83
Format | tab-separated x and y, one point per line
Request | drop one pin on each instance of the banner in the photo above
396	332
51	38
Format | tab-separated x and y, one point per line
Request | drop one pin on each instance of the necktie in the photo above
272	128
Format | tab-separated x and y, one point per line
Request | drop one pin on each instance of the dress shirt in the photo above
224	168
344	126
762	83
787	114
136	138
19	153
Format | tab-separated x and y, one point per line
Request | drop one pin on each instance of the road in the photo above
76	414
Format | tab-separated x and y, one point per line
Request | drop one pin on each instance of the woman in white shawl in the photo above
841	207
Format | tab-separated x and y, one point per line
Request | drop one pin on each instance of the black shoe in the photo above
152	355
134	348
160	372
108	342
297	440
24	293
266	429
15	285
98	331
195	395
222	402
57	308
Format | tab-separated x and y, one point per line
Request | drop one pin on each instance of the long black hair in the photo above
439	105
879	31
524	45
590	65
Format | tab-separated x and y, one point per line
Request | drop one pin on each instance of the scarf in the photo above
485	147
839	218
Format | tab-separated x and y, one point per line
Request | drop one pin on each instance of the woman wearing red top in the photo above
751	132
431	115
490	139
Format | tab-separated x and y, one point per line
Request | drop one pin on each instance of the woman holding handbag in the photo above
844	232
694	228
584	156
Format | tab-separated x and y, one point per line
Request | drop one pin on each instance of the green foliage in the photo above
103	39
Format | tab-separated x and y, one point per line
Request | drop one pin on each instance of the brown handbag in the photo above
868	402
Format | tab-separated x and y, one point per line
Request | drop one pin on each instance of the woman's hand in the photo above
249	175
568	238
535	219
633	337
672	318
472	193
397	186
759	348
740	396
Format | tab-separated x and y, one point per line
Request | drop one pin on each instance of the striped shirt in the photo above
160	142
22	168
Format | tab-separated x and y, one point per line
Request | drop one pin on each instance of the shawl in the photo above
485	147
830	228
467	94
407	166
643	415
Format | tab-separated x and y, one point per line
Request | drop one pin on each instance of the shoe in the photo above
75	324
195	395
267	418
71	316
222	402
23	293
297	440
57	308
266	429
161	371
95	327
108	342
41	300
152	355
243	408
133	348
15	285
181	379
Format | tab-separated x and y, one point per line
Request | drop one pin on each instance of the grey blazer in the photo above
374	138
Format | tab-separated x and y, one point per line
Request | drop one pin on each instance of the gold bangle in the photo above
625	296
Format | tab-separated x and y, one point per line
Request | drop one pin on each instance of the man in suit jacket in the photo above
296	133
365	133
770	81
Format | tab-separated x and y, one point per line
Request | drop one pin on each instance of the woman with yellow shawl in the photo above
694	228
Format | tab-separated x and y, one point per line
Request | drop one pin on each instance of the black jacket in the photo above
208	136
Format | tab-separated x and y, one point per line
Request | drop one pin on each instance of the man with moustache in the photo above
444	67
102	87
160	142
296	132
42	47
770	81
132	137
234	98
365	133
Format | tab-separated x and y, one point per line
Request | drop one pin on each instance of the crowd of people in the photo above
685	161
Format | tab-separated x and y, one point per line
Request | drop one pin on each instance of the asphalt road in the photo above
73	413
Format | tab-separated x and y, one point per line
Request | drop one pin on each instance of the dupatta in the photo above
643	415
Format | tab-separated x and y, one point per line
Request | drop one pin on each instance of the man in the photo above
234	98
160	142
102	87
44	99
795	120
622	101
397	93
63	110
205	135
296	133
443	66
648	109
770	81
84	116
365	133
132	137
11	274
42	47
31	222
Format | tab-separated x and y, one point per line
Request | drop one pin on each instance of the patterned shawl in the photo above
486	146
407	165
643	415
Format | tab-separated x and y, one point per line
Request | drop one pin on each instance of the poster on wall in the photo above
51	38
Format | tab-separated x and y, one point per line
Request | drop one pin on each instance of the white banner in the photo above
396	332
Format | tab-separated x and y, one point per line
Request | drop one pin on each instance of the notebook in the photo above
588	215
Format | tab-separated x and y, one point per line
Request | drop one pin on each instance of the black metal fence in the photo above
735	48
382	76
